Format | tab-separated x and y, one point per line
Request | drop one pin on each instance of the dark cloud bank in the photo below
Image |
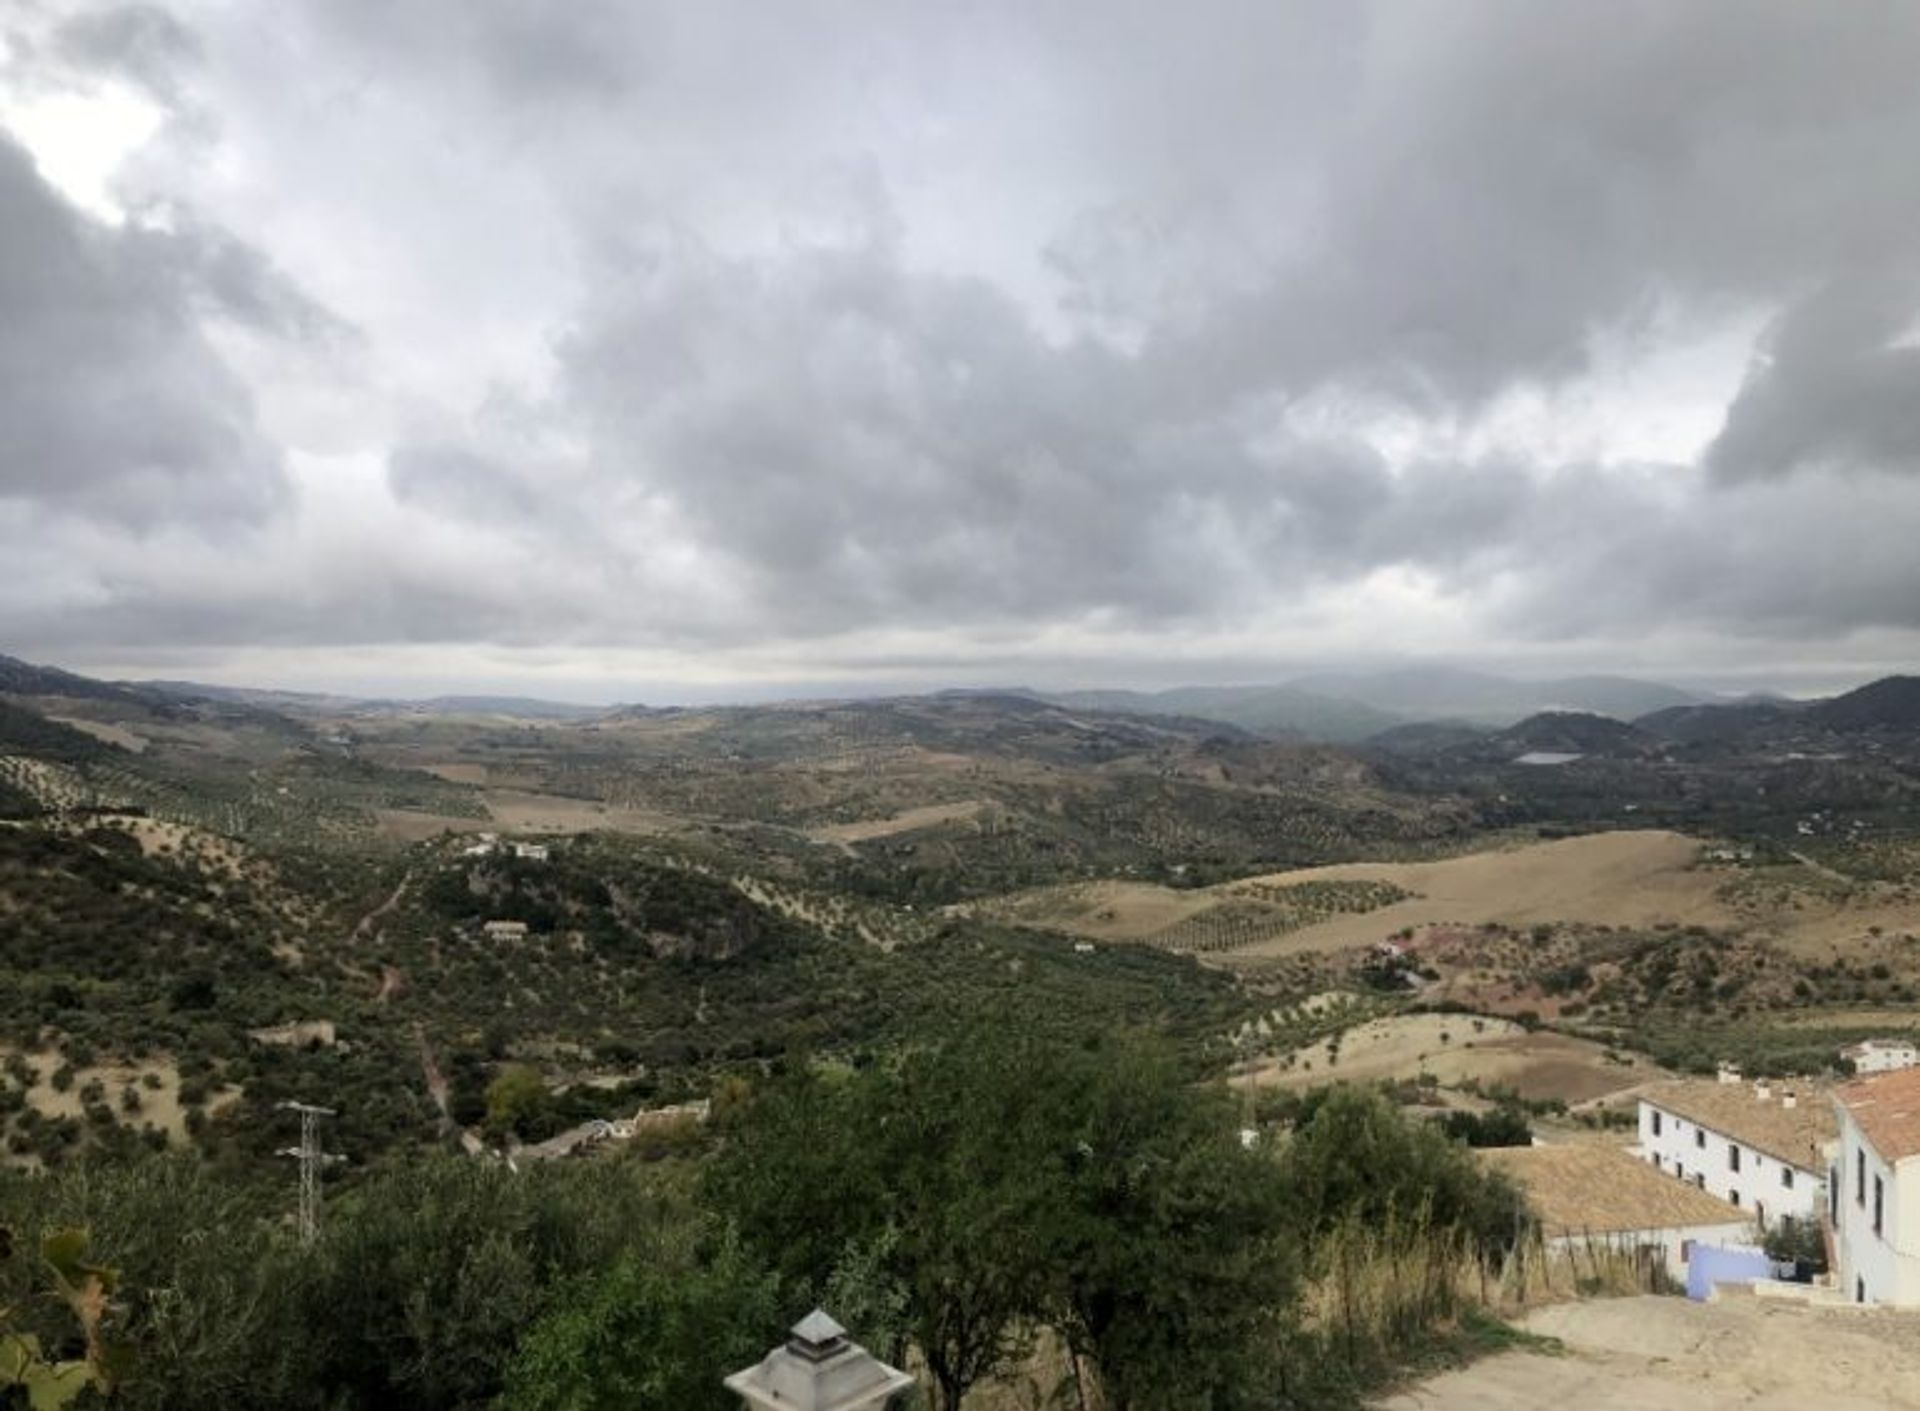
1112	324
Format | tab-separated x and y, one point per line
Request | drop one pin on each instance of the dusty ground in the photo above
159	1106
1665	1354
1456	1047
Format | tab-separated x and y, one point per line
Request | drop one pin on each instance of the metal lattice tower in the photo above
311	1159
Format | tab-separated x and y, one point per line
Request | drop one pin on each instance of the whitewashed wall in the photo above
1684	1149
1884	1267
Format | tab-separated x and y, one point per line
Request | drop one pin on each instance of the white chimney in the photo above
818	1369
1789	1098
1761	1092
1729	1073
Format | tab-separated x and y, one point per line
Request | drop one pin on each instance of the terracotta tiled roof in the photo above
1602	1189
1791	1134
1887	1107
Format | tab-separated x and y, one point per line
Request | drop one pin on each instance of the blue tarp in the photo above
1710	1266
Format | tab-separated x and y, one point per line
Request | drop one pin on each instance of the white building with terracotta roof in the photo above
1875	1201
1752	1145
1587	1195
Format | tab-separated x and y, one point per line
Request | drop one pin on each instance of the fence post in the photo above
818	1368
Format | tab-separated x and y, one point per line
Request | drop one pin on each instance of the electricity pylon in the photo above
311	1159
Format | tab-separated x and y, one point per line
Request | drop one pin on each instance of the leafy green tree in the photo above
517	1100
425	1277
999	1182
1353	1156
1797	1240
657	1332
1505	1125
1169	1259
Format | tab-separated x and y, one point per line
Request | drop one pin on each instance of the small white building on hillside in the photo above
1600	1195
1881	1056
1875	1202
1749	1144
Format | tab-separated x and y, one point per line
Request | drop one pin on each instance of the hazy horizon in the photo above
562	691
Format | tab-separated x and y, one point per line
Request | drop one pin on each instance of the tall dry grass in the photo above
1378	1292
1381	1299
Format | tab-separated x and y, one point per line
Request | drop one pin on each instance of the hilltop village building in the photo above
1747	1144
1874	1193
1589	1196
1881	1056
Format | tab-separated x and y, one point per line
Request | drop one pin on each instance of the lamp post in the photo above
819	1368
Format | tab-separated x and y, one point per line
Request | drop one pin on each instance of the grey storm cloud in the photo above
112	401
141	42
1835	386
748	323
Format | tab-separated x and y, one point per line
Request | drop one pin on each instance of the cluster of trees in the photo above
957	1206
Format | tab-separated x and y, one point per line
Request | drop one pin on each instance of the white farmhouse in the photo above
1762	1150
1881	1056
1875	1202
500	930
1587	1195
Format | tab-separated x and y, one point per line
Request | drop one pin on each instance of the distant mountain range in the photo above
1351	706
1410	709
1887	710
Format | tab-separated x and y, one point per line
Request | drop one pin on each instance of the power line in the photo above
311	1159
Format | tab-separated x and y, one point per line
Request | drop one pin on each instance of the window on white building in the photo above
1879	1203
1786	1177
1733	1157
1656	1124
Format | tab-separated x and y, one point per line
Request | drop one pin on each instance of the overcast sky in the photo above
618	350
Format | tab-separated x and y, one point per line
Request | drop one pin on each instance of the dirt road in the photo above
1664	1354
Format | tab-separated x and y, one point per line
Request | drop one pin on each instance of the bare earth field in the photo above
523	811
1616	879
1665	1354
101	730
1454	1048
1638	878
905	821
1105	911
